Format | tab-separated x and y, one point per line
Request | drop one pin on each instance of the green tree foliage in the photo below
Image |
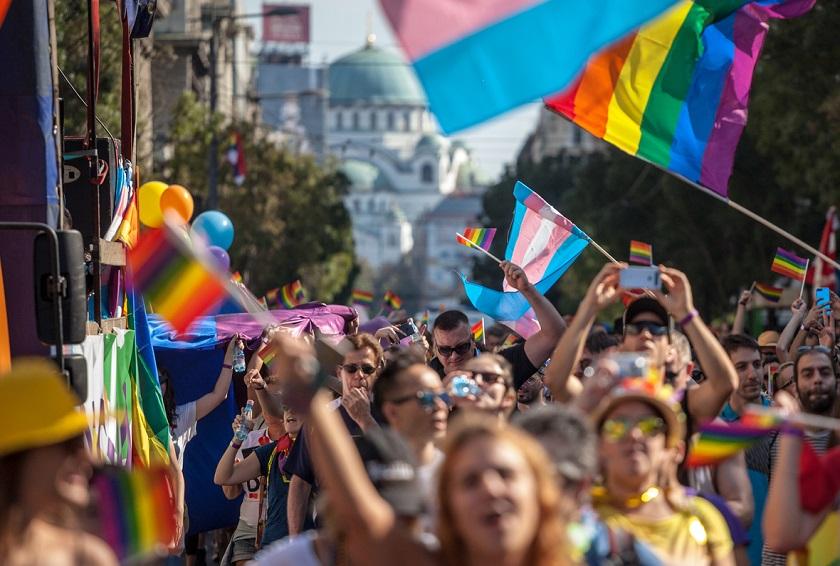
289	216
785	169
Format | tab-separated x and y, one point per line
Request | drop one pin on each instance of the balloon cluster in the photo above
156	199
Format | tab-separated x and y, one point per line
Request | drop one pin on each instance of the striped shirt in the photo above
819	441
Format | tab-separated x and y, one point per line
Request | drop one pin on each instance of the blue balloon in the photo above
214	227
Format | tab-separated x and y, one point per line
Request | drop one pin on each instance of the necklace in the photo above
600	495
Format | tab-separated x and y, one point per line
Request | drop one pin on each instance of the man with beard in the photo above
816	385
531	394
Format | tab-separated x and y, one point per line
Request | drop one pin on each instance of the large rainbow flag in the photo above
675	92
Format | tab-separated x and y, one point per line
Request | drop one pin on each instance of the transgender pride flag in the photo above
543	242
479	58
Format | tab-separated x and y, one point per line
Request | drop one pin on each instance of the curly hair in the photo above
364	341
548	547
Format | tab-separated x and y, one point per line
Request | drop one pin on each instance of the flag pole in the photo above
477	247
802	287
598	247
750	214
483	333
752	287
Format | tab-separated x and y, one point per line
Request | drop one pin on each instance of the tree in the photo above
289	216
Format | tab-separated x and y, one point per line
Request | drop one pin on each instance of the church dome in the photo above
363	177
375	76
431	142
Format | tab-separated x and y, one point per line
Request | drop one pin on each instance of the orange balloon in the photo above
179	200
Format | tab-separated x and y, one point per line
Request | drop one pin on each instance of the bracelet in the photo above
689	317
227	366
792	431
236	444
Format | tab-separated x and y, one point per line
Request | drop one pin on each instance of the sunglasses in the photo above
426	399
636	328
615	430
459	349
821	349
367	369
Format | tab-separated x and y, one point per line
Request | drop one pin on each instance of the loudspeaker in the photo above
73	297
79	192
75	371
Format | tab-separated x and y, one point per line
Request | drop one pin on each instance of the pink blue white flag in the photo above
479	58
543	242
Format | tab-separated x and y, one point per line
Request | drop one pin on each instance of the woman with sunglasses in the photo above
484	385
640	445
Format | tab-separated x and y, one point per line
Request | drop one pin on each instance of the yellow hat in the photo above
768	339
37	408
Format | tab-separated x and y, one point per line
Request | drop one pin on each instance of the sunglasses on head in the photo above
636	328
821	349
367	369
426	399
459	349
617	429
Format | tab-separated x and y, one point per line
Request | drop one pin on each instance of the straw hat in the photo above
768	339
38	407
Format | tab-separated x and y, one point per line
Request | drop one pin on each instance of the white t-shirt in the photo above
250	509
296	550
186	427
427	478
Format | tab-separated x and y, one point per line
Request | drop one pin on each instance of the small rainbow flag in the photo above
236	277
393	300
641	253
477	237
292	294
719	441
510	340
770	293
136	510
271	296
424	318
267	353
789	264
163	267
477	331
359	297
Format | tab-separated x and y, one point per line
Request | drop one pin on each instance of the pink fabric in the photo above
423	26
536	245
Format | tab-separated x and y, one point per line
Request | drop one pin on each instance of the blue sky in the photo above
340	26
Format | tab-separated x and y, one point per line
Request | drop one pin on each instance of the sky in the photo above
340	26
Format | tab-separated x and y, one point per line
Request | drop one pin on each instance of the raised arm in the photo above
176	482
741	312
205	404
798	309
705	401
539	346
229	473
559	375
733	484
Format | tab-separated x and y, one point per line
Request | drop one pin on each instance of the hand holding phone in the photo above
640	277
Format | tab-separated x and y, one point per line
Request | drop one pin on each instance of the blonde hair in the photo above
548	547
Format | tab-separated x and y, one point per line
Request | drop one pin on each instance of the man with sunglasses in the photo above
454	345
358	372
411	398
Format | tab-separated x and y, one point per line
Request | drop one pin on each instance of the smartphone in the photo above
640	277
630	364
408	328
823	296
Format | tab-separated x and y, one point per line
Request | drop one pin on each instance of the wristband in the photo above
236	444
689	317
790	430
227	366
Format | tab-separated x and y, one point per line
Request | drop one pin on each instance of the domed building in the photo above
399	167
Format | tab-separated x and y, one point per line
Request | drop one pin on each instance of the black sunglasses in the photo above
459	349
367	369
636	328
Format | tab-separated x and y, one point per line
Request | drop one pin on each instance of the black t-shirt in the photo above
516	357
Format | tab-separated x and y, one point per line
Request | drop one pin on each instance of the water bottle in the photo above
247	416
239	357
463	386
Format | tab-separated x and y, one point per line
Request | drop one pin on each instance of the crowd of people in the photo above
568	447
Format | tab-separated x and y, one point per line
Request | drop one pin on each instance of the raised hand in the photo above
604	289
798	308
678	301
357	405
388	333
515	276
745	297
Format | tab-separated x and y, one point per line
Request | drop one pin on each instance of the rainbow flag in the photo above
510	340
267	353
271	296
770	293
477	331
789	264
425	317
392	300
478	60
165	270
136	510
719	441
641	253
292	294
476	237
359	297
675	92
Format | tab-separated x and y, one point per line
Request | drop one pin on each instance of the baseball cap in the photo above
646	304
768	339
38	407
391	468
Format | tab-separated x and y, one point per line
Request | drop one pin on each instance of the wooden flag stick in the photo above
605	253
477	247
752	287
802	287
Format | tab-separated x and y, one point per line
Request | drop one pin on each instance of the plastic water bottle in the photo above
239	357
247	416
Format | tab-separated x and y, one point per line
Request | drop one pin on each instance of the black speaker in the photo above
75	371
73	297
79	192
